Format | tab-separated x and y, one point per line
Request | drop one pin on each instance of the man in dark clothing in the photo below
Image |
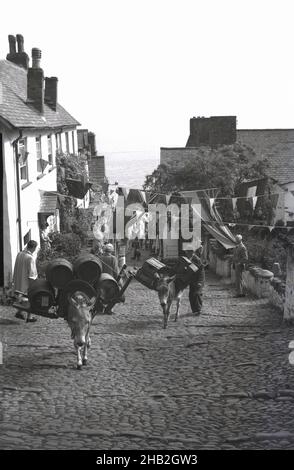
240	258
197	283
137	252
109	261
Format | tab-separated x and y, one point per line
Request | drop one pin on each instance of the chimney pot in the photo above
51	92
19	58
36	58
12	48
20	41
35	82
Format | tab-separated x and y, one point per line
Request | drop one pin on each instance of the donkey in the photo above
80	314
169	289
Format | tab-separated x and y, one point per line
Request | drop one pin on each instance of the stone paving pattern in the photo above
218	381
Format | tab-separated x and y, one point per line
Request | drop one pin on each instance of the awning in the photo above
211	218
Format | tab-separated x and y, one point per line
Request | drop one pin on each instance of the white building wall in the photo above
29	191
29	195
10	227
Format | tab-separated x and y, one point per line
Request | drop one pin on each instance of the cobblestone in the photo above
218	381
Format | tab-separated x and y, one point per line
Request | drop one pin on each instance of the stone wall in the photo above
259	282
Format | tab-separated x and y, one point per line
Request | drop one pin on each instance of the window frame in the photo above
23	160
67	142
49	147
38	140
73	142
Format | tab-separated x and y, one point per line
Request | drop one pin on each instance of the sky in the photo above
135	71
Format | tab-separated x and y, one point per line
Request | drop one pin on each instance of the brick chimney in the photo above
51	92
19	58
35	88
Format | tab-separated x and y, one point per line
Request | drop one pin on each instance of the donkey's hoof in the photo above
79	367
85	361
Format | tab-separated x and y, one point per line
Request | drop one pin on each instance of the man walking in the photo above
24	274
109	261
110	266
240	258
197	283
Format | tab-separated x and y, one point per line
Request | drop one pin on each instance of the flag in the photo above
143	195
254	201
234	202
211	202
168	196
271	228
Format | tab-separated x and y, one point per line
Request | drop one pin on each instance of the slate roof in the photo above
277	146
17	112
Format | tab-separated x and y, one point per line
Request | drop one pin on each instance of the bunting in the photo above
234	202
168	196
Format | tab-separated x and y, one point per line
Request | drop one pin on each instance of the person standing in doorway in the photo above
240	258
45	240
24	274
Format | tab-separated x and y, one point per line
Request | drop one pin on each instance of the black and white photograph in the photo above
147	229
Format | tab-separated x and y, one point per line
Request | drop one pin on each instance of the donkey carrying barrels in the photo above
80	314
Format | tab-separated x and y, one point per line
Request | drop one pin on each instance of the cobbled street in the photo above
218	381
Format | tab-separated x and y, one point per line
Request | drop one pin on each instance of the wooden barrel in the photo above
59	272
88	268
108	288
41	296
145	275
185	269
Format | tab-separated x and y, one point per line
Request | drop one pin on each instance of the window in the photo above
58	143
67	142
73	142
39	154
50	155
23	160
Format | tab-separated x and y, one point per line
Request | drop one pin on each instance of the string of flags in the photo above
234	199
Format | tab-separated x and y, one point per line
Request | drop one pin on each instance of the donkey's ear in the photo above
73	301
92	301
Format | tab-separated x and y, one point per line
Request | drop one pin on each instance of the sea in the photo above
129	169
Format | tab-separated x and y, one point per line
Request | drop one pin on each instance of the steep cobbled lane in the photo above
218	381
